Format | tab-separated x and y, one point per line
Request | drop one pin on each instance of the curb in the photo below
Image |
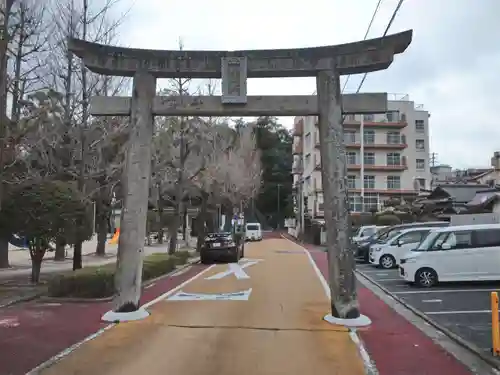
21	299
459	340
47	299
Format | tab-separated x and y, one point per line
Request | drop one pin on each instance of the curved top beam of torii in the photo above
350	58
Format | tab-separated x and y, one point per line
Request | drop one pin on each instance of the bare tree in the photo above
28	48
93	22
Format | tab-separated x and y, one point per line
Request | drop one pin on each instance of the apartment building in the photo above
390	158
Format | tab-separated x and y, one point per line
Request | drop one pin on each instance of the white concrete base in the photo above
361	321
113	316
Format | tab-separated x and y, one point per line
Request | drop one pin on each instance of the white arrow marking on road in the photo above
432	300
237	296
236	269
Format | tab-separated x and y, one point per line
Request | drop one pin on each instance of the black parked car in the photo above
363	248
221	246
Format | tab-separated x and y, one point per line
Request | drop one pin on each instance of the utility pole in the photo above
433	159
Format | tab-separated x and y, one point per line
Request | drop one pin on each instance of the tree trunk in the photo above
102	237
184	223
161	233
77	255
4	252
60	253
172	246
200	221
36	267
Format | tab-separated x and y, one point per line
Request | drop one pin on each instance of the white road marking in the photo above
458	312
236	296
400	279
236	269
444	291
432	300
382	274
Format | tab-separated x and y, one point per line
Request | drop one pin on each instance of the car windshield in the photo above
390	236
426	242
252	227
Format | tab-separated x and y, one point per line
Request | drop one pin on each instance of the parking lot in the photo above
463	308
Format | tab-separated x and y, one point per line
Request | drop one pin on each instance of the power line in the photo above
366	35
394	14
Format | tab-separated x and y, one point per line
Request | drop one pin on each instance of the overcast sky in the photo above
452	66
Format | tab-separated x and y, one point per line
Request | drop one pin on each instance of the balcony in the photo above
298	147
390	122
381	168
298	128
297	167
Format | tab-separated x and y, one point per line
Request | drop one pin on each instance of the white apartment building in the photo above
394	161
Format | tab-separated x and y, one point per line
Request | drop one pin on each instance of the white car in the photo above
365	232
388	255
458	253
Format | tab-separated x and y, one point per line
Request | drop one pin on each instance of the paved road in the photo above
463	308
267	319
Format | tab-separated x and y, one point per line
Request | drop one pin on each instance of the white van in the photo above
459	253
388	255
253	232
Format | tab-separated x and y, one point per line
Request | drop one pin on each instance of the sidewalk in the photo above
21	263
266	319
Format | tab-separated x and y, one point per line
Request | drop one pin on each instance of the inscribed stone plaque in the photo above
234	80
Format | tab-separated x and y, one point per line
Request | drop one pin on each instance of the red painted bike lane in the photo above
31	333
395	345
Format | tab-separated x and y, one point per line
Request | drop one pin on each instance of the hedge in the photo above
98	282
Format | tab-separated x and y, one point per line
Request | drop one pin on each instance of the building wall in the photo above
403	118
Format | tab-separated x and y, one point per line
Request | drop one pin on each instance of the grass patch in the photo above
98	281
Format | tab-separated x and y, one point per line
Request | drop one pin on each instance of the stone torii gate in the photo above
235	67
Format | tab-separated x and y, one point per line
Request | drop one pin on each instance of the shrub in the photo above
98	282
388	219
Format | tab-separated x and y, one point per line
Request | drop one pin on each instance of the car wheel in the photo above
204	259
387	261
426	278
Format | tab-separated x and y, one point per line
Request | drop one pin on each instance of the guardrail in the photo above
495	325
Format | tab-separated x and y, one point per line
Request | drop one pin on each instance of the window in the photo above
351	182
369	137
393	138
393	182
371	202
420	144
455	240
420	164
351	158
369	158
349	136
369	182
419	126
487	237
368	117
393	158
355	203
421	182
412	237
392	116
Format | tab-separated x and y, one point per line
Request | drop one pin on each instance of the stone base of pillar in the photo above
360	321
113	316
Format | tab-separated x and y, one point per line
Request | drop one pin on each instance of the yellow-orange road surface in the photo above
274	326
